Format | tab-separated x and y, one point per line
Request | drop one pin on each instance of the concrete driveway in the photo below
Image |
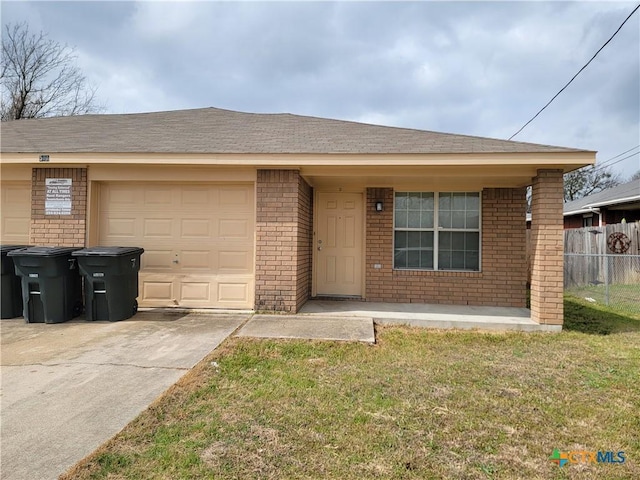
69	387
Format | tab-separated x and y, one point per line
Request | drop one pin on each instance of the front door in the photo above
338	244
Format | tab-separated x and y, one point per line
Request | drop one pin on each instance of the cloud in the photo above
165	20
480	68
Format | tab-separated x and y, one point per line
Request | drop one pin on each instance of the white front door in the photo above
338	244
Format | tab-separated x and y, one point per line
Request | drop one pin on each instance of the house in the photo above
264	211
606	207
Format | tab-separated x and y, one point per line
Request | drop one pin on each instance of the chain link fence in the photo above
605	279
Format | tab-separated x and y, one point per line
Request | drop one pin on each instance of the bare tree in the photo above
635	176
588	180
40	78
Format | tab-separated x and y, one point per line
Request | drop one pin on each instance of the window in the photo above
453	245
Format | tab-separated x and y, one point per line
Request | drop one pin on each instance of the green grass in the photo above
624	299
419	404
580	315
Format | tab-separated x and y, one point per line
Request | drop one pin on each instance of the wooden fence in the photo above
602	255
593	240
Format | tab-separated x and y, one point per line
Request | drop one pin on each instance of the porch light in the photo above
379	206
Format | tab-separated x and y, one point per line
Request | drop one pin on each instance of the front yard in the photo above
419	404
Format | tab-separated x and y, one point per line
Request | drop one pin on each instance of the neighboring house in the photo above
612	205
264	211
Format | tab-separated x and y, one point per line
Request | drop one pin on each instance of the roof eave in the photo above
591	206
578	212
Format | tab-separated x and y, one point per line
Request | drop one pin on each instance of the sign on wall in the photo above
57	199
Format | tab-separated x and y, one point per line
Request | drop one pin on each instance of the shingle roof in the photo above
213	130
610	196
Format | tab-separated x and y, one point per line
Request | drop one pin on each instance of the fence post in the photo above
606	278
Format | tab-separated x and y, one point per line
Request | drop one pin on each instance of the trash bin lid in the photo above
42	251
107	251
4	249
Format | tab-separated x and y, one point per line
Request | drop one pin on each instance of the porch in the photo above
430	315
342	238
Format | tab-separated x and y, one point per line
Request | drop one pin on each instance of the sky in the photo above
474	68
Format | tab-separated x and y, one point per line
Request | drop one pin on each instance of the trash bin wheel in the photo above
135	307
77	308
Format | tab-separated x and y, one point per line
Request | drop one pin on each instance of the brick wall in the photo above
547	248
59	230
502	281
305	242
283	240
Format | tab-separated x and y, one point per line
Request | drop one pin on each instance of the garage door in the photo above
198	240
15	210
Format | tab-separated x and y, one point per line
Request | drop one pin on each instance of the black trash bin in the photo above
110	281
10	285
51	283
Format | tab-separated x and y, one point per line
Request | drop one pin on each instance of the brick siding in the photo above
283	240
58	230
305	242
547	248
502	281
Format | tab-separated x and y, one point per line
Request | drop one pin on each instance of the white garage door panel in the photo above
198	241
15	210
233	293
197	291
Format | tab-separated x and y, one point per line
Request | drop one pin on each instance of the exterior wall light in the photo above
379	206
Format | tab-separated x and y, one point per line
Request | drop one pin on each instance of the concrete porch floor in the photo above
430	316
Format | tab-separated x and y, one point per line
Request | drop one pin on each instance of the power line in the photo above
604	162
597	168
579	72
617	161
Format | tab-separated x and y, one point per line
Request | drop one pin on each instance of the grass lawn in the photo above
419	404
622	298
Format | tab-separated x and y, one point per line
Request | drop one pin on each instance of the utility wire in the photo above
605	162
598	168
579	72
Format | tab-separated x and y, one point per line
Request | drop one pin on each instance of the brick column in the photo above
304	242
547	250
380	286
58	230
283	241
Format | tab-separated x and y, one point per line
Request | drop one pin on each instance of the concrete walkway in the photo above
431	316
69	387
318	327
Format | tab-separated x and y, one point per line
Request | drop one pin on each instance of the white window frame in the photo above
436	230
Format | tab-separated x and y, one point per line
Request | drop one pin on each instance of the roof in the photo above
214	130
625	193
